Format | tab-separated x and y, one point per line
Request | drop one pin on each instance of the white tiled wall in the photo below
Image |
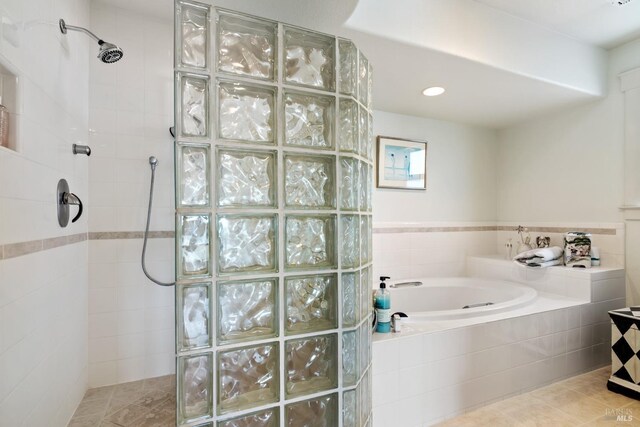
43	296
131	320
428	254
43	336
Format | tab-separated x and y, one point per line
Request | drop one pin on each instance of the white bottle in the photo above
4	125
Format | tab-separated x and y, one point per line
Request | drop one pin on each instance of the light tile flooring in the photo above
145	403
578	401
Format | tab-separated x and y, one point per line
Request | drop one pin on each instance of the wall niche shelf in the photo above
9	97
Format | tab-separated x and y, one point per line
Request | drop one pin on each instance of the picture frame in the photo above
401	163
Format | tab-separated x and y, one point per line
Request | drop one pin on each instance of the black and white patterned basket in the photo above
625	349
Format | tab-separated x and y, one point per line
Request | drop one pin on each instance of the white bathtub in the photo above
444	298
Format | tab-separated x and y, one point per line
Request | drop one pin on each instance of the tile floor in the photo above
145	403
578	401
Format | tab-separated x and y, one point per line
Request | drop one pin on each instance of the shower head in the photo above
109	52
153	161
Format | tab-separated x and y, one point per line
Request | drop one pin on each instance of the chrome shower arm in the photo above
64	27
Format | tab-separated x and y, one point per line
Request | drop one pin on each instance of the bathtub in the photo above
444	298
447	360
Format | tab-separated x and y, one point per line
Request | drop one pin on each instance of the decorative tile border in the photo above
605	231
428	229
419	229
111	235
13	250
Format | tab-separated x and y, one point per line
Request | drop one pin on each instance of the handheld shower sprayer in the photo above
108	53
153	162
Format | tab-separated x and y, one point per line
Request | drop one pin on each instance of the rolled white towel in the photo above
541	254
551	263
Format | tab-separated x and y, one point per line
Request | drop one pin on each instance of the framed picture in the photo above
401	163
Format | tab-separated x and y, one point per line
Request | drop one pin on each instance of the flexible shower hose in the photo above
146	229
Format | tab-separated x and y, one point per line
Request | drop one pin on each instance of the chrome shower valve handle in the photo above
65	198
72	199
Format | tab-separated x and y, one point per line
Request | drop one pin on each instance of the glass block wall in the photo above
274	173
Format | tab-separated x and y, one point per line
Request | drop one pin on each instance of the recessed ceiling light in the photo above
433	91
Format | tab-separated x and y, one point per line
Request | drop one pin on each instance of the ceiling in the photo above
501	61
602	23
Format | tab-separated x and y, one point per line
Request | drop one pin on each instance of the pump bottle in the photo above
382	305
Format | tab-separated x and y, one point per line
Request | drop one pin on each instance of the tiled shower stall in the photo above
274	170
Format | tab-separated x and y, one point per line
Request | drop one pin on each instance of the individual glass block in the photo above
363	79
366	290
193	175
247	243
348	67
364	400
309	181
194	320
311	303
246	46
349	358
349	183
318	412
364	178
248	377
363	353
246	112
349	241
267	418
369	397
193	245
247	310
194	96
310	241
194	387
368	184
193	36
348	125
350	298
311	364
349	410
364	239
370	88
246	178
309	119
370	139
363	131
309	58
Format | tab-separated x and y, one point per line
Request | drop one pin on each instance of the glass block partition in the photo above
274	170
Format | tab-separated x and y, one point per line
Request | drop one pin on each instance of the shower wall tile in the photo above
123	304
130	112
39	357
